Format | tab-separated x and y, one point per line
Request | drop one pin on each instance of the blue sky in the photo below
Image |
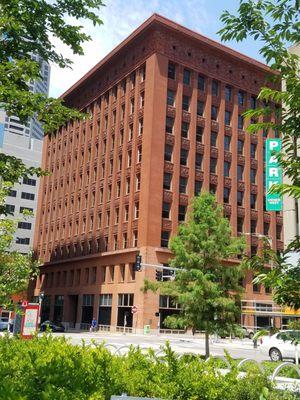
121	17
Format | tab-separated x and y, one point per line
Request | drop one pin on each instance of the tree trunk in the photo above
206	344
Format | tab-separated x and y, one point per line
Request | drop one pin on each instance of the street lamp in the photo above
41	298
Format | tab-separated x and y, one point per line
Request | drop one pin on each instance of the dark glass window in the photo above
213	165
28	181
212	188
184	129
227	118
198	187
170	97
226	168
253	200
27	196
171	71
253	150
181	212
200	108
253	224
9	208
198	161
227	140
241	98
24	225
253	102
201	82
182	184
240	144
240	198
252	175
240	121
12	193
185	103
240	172
213	139
214	113
214	88
199	134
240	224
166	210
169	124
186	76
168	152
167	181
22	240
183	156
226	195
278	232
228	93
266	228
165	236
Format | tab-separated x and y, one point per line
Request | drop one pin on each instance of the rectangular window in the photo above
241	97
266	228
183	156
22	240
105	300
240	172
214	113
198	161
200	108
28	181
227	118
27	196
186	76
136	210
212	188
184	129
253	226
213	165
135	238
181	212
167	181
252	175
165	236
253	102
166	210
253	150
170	97
240	122
226	168
278	232
253	200
213	139
240	146
199	134
182	184
12	193
240	224
201	82
24	225
171	71
9	208
228	93
185	103
226	195
126	214
198	187
169	124
214	88
227	140
240	198
168	152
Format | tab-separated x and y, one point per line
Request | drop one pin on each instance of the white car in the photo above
280	345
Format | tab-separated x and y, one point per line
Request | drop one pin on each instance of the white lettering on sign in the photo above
274	172
273	144
273	160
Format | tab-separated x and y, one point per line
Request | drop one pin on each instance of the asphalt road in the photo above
236	348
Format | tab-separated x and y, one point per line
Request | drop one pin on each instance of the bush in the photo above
52	368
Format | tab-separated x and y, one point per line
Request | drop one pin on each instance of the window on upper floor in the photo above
184	129
213	139
240	172
213	165
184	156
215	88
181	212
186	76
170	97
214	113
227	140
171	71
169	125
201	82
182	184
228	93
198	161
199	134
240	224
167	181
226	168
200	108
227	118
168	152
240	146
226	195
240	122
240	198
253	175
166	210
241	98
253	200
198	187
185	103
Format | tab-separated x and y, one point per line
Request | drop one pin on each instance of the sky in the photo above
121	17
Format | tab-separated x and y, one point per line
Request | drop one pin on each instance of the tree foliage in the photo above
207	290
276	24
28	27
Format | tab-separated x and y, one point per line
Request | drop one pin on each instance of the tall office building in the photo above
24	142
166	123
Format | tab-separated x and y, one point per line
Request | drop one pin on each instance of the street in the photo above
181	344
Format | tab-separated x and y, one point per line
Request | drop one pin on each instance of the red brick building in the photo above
166	123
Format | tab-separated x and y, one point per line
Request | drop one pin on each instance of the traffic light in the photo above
159	275
138	263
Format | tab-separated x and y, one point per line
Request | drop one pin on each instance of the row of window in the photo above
24	195
10	208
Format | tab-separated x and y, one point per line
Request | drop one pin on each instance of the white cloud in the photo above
120	18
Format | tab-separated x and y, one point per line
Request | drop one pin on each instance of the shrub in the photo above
52	368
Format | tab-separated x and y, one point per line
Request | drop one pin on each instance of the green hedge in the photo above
52	368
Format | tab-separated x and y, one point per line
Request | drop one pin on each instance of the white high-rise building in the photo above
24	142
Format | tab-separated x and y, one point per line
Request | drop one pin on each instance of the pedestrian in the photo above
94	325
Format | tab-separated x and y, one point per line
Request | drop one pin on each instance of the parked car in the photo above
53	326
280	345
248	332
3	323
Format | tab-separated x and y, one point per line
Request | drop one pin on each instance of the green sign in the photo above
273	174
